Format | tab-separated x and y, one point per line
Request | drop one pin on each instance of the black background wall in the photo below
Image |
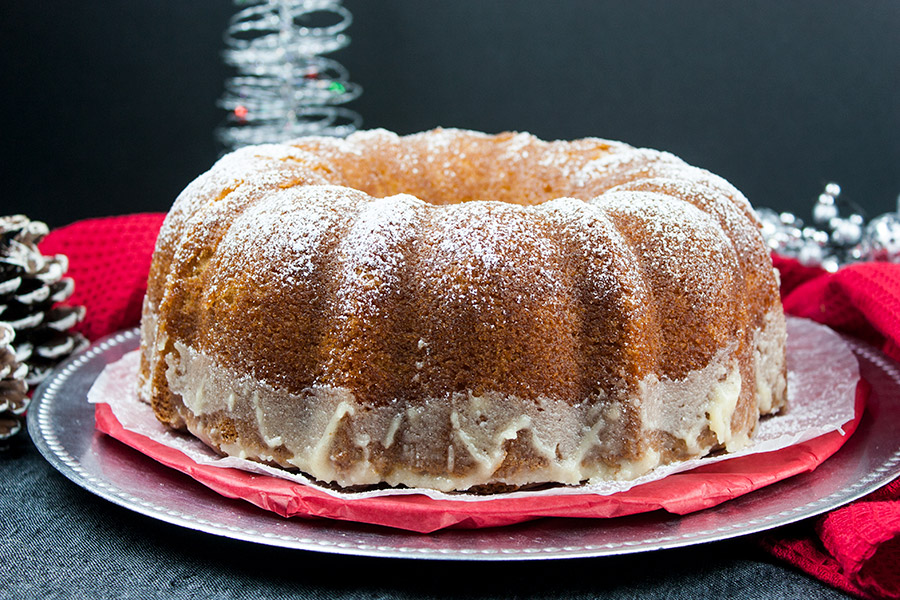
108	106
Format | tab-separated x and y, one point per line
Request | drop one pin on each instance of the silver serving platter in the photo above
61	423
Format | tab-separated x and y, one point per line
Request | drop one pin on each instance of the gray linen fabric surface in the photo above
60	541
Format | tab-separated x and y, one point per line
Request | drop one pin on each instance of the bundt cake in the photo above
461	311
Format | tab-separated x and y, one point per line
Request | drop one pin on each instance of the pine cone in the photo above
32	287
13	389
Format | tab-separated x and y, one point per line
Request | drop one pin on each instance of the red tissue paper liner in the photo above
679	493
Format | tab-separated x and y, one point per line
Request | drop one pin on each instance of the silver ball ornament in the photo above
811	254
790	219
831	263
811	234
834	241
769	220
845	232
882	238
823	213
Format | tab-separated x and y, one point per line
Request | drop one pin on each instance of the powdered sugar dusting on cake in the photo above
480	240
250	172
618	164
520	146
695	176
372	251
676	239
440	141
281	234
557	157
443	149
611	265
472	236
732	214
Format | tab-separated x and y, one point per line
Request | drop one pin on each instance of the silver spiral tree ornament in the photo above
284	87
839	234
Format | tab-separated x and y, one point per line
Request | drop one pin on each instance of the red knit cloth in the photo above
109	259
855	548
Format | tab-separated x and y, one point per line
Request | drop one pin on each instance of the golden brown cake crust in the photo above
455	309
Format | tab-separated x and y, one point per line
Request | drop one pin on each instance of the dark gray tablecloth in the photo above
60	541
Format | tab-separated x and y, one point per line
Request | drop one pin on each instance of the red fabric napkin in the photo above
855	548
109	259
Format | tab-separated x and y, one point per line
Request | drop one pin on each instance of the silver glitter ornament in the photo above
811	253
882	238
835	240
822	212
845	232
